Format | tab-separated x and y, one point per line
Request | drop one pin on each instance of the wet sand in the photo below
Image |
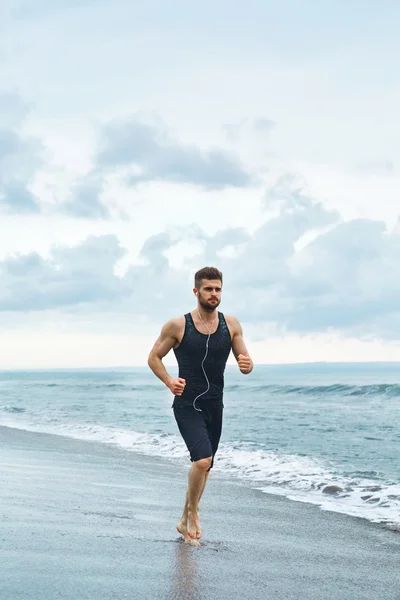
86	521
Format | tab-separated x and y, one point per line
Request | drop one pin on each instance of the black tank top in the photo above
190	354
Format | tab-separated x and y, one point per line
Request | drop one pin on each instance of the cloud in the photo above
263	125
153	251
20	158
69	277
16	198
157	157
344	278
137	152
72	278
85	200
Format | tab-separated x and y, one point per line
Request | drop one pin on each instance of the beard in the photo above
209	306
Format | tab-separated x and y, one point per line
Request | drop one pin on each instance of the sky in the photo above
143	140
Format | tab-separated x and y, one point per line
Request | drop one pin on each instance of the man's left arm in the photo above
239	348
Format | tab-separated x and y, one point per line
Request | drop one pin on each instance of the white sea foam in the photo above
299	478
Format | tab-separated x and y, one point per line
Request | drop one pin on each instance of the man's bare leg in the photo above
204	484
189	525
197	480
182	525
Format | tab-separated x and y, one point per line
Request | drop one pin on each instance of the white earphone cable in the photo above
202	363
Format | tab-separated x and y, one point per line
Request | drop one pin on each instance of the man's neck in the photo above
209	316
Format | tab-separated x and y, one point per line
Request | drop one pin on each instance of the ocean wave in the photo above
97	386
13	409
300	478
389	390
337	389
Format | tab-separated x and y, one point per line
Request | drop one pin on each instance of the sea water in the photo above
327	434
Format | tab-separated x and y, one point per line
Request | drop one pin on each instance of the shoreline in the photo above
84	520
322	503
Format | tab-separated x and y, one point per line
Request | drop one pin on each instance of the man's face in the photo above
210	294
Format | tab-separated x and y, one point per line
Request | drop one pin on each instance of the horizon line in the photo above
141	366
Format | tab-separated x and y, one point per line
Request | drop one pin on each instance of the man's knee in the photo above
204	463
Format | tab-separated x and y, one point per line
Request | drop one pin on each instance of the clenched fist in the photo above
177	386
245	364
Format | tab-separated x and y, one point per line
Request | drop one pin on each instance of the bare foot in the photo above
193	526
182	529
193	542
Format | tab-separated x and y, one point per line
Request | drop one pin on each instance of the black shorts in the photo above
201	431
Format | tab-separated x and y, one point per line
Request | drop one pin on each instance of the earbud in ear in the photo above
197	294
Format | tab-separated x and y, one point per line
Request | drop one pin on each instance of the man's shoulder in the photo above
232	319
174	324
232	322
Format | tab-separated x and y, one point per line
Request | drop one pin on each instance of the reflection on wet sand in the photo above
185	583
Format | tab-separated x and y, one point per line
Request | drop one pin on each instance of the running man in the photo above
202	341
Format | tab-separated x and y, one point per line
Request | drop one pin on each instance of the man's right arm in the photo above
164	343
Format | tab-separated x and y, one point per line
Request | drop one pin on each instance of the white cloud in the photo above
342	280
20	158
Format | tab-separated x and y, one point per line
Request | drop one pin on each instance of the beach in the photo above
83	520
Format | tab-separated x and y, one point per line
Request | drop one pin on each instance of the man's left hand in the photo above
245	363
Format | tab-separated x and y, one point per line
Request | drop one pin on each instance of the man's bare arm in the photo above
164	343
239	348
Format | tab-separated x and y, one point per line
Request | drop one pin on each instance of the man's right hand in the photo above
177	386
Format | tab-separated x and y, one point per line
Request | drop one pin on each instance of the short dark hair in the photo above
206	273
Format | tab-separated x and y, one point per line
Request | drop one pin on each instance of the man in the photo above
202	341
